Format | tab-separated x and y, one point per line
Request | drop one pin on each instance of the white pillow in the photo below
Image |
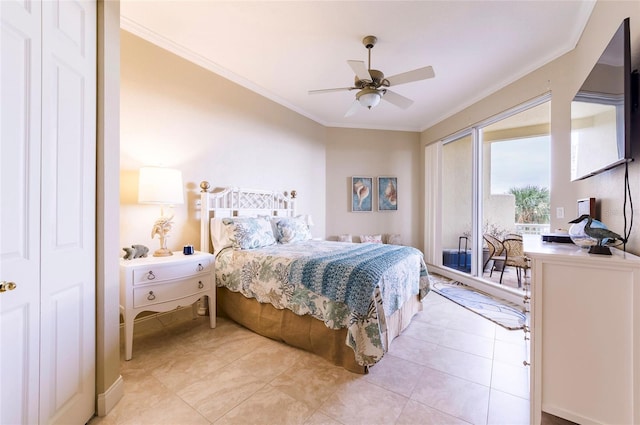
345	238
292	230
393	239
274	223
371	238
219	235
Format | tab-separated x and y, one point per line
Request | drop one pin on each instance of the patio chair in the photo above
514	257
496	251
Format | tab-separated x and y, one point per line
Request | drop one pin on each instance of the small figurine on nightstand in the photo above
162	227
136	251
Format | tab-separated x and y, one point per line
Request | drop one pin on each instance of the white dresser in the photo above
585	339
162	284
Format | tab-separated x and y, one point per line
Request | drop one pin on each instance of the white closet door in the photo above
20	211
68	211
47	214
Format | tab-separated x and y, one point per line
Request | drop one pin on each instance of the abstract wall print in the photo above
361	194
387	193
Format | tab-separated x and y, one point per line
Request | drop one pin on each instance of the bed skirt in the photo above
305	332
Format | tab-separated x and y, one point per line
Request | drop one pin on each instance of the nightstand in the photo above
162	284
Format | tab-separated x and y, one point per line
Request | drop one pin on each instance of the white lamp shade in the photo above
159	185
368	97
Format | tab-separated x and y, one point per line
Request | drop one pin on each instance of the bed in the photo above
343	301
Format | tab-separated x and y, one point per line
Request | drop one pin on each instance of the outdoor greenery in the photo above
532	204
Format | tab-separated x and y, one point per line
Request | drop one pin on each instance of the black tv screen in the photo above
601	112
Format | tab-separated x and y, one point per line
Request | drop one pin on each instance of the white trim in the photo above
477	214
107	400
498	291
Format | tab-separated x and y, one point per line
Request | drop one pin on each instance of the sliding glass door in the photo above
495	182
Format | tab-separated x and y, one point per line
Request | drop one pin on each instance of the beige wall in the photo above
179	115
373	153
562	77
109	384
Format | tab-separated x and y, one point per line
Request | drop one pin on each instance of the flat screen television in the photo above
601	112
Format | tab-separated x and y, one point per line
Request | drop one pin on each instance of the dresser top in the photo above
534	247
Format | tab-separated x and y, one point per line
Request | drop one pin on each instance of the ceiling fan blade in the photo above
410	76
330	90
397	99
353	108
360	69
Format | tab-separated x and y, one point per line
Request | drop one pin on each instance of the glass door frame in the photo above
475	132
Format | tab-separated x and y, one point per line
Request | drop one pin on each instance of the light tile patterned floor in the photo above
451	366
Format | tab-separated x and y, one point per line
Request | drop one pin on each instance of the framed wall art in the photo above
361	194
387	193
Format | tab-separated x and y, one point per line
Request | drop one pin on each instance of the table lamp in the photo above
161	186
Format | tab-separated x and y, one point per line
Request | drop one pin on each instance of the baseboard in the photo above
107	400
567	415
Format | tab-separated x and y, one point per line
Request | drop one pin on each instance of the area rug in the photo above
506	314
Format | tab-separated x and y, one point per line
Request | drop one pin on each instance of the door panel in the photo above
47	215
20	211
68	211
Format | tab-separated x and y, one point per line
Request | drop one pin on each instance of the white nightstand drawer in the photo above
168	291
162	284
162	272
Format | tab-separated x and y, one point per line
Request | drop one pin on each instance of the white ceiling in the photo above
282	50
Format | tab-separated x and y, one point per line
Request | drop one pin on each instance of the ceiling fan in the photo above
373	86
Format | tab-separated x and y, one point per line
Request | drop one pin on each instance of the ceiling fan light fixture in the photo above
368	97
372	84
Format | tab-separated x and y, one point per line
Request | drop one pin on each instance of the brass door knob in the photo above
7	286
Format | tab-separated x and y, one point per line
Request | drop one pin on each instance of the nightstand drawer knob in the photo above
151	296
150	275
200	268
200	284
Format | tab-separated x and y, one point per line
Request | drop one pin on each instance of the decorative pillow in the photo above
219	235
345	238
371	238
292	230
249	232
393	239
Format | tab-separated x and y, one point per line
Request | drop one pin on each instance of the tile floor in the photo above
450	366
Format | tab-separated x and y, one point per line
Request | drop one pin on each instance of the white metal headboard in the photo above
233	201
